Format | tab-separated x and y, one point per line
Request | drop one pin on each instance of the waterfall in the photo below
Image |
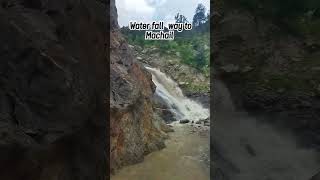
222	98
181	106
247	147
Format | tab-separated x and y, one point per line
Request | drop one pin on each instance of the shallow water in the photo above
186	157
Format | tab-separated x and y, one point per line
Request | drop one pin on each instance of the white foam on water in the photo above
181	106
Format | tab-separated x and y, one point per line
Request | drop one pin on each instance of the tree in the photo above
200	57
180	18
200	16
208	16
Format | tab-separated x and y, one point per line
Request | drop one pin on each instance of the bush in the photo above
191	47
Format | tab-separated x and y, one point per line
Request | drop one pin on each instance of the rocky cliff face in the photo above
53	75
134	130
267	68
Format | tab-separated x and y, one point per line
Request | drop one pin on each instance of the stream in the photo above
186	155
247	148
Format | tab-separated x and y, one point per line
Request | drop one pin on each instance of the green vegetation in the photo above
194	51
199	17
192	46
202	88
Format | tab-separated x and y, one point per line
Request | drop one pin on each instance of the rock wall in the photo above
53	75
134	131
267	68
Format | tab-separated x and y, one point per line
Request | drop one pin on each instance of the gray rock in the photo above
230	68
318	88
183	83
315	68
171	62
184	121
247	69
316	177
281	90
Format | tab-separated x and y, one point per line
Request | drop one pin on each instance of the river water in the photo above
186	156
244	148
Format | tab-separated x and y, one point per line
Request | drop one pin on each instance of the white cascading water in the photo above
181	106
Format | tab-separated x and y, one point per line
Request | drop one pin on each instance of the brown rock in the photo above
134	131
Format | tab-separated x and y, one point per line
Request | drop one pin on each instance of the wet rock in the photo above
183	83
247	69
316	177
184	121
203	98
166	128
160	107
318	88
165	114
250	150
171	62
230	68
207	119
315	68
281	90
